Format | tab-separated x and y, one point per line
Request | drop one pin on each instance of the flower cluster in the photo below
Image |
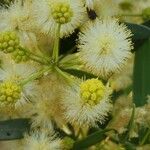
67	92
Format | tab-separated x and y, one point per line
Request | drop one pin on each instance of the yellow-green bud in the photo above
10	92
92	91
61	13
20	55
8	42
126	5
146	13
67	143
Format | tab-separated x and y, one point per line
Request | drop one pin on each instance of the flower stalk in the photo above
36	75
56	43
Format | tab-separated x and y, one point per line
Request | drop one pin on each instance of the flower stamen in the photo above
10	92
92	91
62	13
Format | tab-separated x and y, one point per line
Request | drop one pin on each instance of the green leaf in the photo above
90	140
141	76
13	129
140	32
147	23
129	146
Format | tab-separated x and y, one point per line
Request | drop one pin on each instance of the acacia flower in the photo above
12	93
104	46
69	13
17	17
41	141
87	103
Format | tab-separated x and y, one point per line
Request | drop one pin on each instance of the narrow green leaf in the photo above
147	23
145	137
140	32
141	77
90	140
129	146
13	129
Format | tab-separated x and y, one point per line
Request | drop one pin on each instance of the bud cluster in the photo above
20	55
10	92
62	13
9	42
92	91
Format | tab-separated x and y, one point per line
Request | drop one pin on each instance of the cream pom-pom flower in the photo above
12	93
87	103
104	46
40	112
41	140
18	17
69	13
45	108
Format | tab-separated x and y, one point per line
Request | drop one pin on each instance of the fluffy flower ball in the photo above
70	13
87	103
41	141
104	46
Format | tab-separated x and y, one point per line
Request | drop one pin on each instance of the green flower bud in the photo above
9	42
20	55
62	13
146	13
68	143
10	93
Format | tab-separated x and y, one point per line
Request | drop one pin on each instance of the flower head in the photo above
87	103
69	13
104	46
12	93
62	13
9	42
41	141
45	108
92	91
17	17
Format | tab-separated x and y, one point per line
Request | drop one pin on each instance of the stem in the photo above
35	75
43	59
145	137
56	43
37	59
130	15
65	75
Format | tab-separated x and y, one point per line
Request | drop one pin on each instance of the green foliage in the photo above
13	129
140	32
141	80
90	140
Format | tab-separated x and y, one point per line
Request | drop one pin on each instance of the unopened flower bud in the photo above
9	42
